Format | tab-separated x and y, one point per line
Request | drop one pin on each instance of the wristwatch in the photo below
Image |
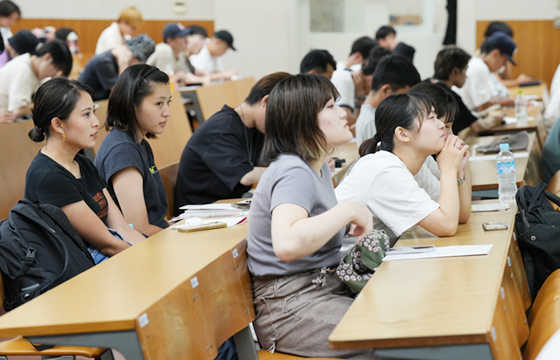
461	180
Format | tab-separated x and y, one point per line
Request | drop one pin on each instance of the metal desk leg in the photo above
245	345
452	352
124	341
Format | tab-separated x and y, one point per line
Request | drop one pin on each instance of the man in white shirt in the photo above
479	92
394	74
209	60
130	21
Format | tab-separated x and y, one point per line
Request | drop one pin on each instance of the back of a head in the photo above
500	41
291	117
405	50
61	55
132	86
384	31
363	45
264	86
7	8
498	26
24	42
449	59
317	60
132	16
56	98
197	30
374	57
395	70
400	110
445	104
63	33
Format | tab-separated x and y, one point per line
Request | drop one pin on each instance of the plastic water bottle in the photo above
507	177
521	109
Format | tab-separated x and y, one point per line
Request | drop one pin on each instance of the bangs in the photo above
421	106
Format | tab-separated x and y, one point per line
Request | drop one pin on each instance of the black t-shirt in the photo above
101	73
464	118
217	156
119	151
50	183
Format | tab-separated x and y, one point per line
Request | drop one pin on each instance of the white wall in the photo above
110	9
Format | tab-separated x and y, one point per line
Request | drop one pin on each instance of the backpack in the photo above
538	229
39	249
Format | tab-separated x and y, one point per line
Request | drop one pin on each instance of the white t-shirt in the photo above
206	62
110	38
431	163
18	83
6	33
164	59
478	88
344	83
365	125
383	184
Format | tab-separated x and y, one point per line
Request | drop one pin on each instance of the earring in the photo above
63	136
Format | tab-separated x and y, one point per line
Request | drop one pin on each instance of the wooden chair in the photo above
544	326
212	98
554	187
20	346
169	177
101	114
549	292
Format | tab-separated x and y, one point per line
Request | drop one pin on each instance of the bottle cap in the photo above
504	147
520	91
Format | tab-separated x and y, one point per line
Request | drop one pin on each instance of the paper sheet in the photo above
229	221
445	251
512	120
489	207
493	156
226	206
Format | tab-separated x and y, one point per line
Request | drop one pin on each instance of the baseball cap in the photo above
175	30
23	42
141	46
505	44
225	36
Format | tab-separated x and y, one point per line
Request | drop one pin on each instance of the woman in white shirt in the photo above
408	131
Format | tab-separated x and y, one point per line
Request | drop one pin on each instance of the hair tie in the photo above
38	128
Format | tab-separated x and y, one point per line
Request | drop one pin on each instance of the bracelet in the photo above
461	180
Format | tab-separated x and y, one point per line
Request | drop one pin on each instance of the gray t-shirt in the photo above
365	125
290	180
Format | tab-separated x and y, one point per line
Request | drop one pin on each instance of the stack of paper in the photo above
211	211
444	251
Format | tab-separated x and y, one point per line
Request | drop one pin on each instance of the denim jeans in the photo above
98	256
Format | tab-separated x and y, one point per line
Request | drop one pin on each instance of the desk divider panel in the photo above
515	262
515	310
501	337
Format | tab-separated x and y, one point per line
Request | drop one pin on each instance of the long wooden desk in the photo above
537	90
173	296
462	308
349	152
483	172
535	124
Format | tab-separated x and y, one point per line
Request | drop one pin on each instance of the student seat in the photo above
169	177
101	114
212	98
265	355
549	292
554	187
543	327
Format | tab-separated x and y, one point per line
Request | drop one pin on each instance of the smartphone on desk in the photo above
242	205
411	250
496	225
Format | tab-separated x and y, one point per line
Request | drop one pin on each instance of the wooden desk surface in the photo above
111	296
430	302
349	152
537	90
533	111
483	172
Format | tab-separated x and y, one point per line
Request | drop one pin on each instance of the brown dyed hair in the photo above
291	117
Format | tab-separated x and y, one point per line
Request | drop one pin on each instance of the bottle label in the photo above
505	167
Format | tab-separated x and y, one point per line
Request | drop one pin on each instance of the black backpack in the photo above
538	229
39	249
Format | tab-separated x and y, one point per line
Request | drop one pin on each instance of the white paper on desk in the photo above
445	251
489	207
229	221
212	214
226	206
512	120
493	156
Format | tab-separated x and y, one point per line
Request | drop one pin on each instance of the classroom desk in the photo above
483	172
462	308
536	124
349	152
538	90
188	95
156	300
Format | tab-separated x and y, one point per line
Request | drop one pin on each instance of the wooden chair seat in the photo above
265	355
549	292
554	187
543	327
20	346
169	177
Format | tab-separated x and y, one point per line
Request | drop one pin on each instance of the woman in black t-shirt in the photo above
63	113
138	109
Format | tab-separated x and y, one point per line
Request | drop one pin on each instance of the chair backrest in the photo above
544	326
169	177
101	114
16	154
212	98
554	187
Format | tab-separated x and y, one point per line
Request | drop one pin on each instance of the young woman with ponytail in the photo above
63	114
390	178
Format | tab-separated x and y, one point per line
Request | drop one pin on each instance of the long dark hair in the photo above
396	111
56	98
291	117
132	86
445	103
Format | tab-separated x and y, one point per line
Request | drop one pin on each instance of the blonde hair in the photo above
132	16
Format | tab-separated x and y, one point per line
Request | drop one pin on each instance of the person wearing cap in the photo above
169	55
130	21
209	61
196	39
479	92
21	77
101	71
22	42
